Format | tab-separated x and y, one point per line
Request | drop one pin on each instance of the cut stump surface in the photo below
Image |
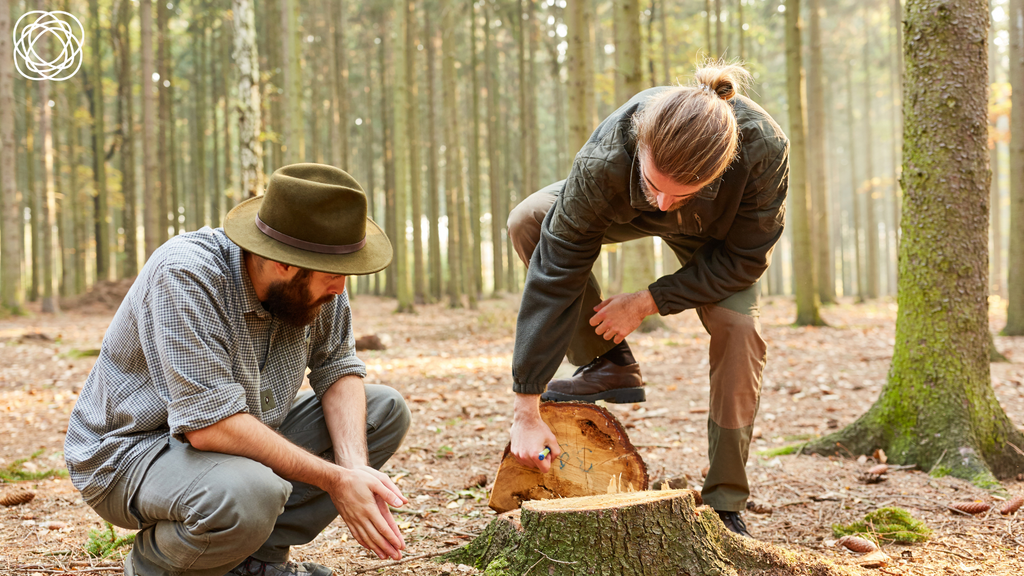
597	458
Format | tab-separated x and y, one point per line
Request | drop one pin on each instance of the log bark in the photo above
597	458
652	533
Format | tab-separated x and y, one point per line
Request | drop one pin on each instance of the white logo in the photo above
64	63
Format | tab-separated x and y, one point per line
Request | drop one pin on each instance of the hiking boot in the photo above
602	379
734	522
254	567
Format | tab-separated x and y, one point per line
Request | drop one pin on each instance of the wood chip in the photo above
880	469
971	507
876	559
17	498
857	544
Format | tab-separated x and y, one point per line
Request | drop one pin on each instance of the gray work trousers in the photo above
737	352
202	513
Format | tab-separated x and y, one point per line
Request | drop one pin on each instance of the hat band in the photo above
308	246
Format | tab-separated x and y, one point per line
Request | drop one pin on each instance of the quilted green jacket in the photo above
740	215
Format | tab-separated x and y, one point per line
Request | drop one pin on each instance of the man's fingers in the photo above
383	507
389	540
602	304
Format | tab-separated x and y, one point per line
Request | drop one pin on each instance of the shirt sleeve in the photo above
720	269
332	347
191	330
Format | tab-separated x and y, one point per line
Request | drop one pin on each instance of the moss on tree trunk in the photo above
651	533
938	409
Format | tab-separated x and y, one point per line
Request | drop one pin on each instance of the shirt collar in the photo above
250	302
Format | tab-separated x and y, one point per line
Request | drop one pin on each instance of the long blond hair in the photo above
690	132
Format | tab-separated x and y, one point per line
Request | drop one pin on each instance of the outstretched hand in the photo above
361	496
618	316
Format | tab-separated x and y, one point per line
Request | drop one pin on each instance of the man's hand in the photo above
618	316
362	495
530	435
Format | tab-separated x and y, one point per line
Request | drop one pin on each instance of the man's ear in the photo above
279	268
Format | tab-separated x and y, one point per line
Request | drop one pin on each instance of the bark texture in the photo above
662	533
11	297
938	409
248	65
1015	268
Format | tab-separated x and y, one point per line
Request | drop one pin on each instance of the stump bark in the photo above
597	458
650	533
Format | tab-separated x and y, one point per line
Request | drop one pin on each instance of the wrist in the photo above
648	305
526	407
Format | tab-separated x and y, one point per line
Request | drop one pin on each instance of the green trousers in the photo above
737	353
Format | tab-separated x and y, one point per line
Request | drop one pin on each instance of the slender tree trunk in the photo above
817	172
289	99
710	46
498	216
580	75
11	295
739	29
65	191
386	79
995	228
341	97
433	199
48	208
939	385
474	157
804	281
872	263
199	130
248	65
151	198
33	200
1015	264
400	95
858	265
126	123
896	78
165	216
419	287
666	47
102	210
231	196
217	188
453	164
719	49
369	157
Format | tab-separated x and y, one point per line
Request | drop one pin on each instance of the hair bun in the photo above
722	79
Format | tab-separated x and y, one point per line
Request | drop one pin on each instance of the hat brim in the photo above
240	227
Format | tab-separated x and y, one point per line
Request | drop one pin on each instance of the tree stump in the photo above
597	458
650	533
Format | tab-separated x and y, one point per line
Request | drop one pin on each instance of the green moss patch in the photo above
15	471
780	451
886	525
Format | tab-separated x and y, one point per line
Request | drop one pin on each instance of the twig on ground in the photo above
402	561
443	529
949	552
83	571
934	466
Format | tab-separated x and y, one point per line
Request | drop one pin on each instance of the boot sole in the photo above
616	396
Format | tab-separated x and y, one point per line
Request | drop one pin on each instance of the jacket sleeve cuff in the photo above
658	292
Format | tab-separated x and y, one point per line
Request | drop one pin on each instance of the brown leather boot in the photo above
602	379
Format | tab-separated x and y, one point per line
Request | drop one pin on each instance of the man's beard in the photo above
653	201
292	303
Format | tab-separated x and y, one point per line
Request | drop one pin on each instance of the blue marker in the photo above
544	453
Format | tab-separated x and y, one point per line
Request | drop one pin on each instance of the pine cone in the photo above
971	507
1012	505
857	544
758	507
17	498
879	470
870	478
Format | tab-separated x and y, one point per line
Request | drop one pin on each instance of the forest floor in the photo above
453	366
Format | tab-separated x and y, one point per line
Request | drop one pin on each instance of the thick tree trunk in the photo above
247	63
938	409
433	198
578	53
1015	264
817	172
804	281
653	533
11	296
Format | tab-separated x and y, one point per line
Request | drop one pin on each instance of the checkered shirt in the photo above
189	346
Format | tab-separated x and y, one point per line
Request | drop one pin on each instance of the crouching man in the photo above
190	427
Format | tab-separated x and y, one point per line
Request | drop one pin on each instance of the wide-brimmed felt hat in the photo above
312	216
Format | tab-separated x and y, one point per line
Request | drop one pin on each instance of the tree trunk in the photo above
996	226
216	186
289	100
341	96
1015	264
126	122
719	49
11	295
433	199
415	165
612	534
896	77
858	261
453	167
401	96
578	53
498	216
198	152
938	409
818	174
151	200
165	217
474	158
48	208
871	263
739	28
804	281
231	196
102	210
248	65
387	115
